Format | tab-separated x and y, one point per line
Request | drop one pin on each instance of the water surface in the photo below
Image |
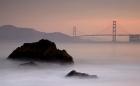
115	64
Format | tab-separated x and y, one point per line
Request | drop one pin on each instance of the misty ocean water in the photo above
114	64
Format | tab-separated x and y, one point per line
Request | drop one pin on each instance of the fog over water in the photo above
115	65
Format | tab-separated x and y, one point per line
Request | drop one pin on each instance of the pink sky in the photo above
90	16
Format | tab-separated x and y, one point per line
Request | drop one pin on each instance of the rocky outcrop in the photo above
43	50
74	73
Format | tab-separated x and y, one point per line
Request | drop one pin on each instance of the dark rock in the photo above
31	63
43	50
74	73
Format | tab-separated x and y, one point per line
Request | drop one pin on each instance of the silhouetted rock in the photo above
31	63
74	73
43	50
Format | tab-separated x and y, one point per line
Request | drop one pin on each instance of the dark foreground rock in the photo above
43	50
74	73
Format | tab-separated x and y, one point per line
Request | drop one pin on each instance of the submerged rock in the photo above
43	50
74	73
31	63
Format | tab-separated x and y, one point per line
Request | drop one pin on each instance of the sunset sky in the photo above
90	16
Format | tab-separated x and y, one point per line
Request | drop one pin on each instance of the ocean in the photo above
115	64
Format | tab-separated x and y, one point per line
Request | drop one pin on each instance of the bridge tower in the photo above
74	31
114	30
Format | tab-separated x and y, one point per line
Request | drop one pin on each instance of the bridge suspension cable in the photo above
115	32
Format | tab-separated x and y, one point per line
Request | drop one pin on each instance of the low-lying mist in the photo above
114	64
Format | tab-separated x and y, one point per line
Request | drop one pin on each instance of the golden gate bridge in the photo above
132	37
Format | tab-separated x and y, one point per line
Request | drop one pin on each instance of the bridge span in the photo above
105	35
113	34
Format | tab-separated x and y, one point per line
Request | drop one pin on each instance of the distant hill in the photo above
17	34
12	33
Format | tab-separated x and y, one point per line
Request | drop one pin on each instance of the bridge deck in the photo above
108	35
